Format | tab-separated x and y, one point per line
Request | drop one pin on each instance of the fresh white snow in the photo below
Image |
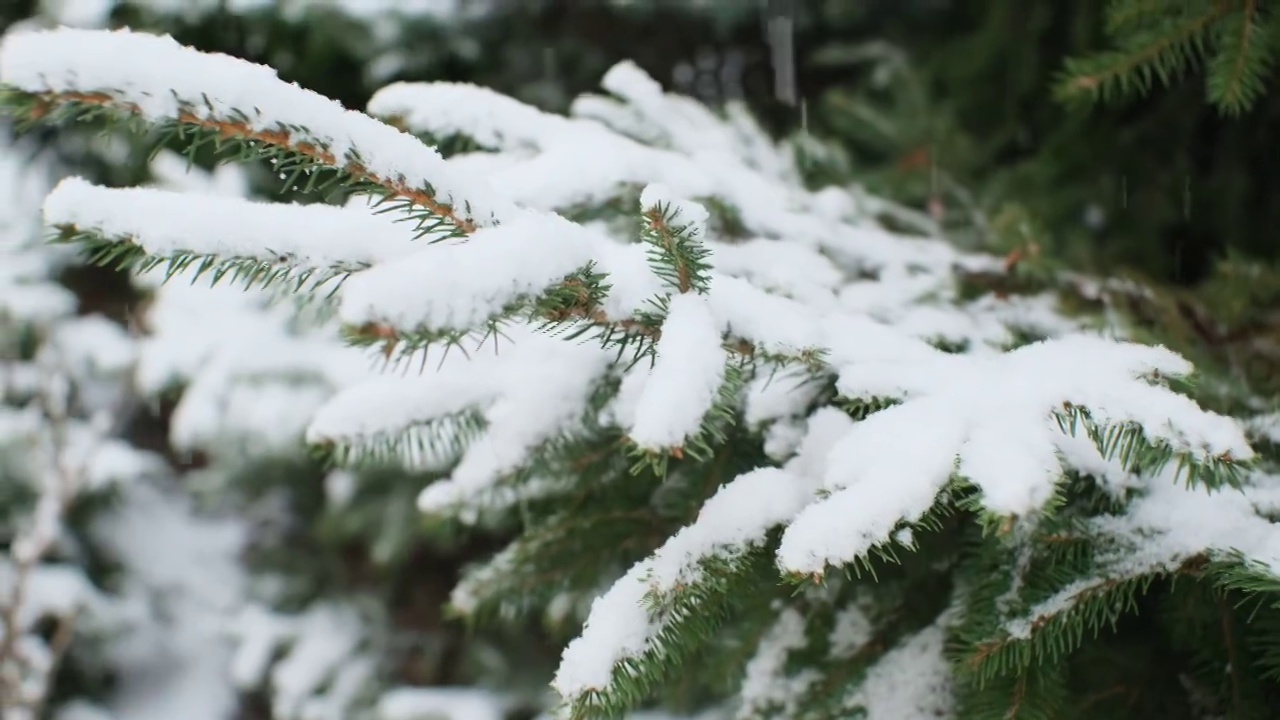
159	79
682	386
816	280
166	224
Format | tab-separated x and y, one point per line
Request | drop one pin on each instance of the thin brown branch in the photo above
1246	36
1019	696
1189	29
276	138
58	646
659	223
10	662
1132	12
58	491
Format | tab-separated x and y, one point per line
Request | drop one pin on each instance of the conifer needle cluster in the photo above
1233	41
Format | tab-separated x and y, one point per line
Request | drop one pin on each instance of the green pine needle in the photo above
1159	43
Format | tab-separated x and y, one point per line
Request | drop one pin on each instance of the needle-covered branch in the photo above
59	76
252	243
1236	42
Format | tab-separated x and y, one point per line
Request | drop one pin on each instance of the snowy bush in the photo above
751	434
64	467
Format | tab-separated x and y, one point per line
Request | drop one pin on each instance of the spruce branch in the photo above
478	117
288	150
1164	53
124	253
141	229
553	558
1038	692
1129	444
1122	15
1242	62
433	443
955	497
1073	576
712	432
1057	629
689	332
683	621
809	546
224	100
804	667
675	252
1161	42
570	308
1235	571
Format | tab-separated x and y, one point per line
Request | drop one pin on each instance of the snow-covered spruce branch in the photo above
209	99
249	243
540	249
261	243
816	392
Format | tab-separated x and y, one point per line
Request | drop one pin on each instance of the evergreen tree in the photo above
340	599
762	447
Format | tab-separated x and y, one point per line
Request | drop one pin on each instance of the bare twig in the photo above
61	481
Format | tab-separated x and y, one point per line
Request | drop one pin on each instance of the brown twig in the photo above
29	548
659	224
227	129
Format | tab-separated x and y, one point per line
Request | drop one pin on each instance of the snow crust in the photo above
683	213
990	419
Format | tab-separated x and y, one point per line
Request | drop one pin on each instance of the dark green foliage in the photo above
960	110
1159	42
